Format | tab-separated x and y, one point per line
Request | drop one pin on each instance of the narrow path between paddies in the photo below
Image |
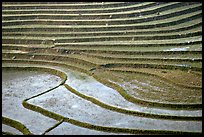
18	84
90	89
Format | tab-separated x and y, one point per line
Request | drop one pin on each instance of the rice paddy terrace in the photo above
101	68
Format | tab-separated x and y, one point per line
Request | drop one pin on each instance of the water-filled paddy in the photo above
67	104
156	89
126	68
19	85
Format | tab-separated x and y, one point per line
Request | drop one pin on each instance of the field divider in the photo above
142	58
141	102
78	51
193	25
122	92
17	125
96	127
100	128
109	37
127	20
54	126
112	65
163	78
7	133
89	63
149	65
196	15
129	112
52	71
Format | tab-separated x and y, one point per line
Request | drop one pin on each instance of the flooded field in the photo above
101	68
19	85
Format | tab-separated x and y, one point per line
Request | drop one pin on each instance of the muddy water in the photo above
89	86
65	103
19	85
12	130
155	89
69	129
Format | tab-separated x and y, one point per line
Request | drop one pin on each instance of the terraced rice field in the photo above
101	68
